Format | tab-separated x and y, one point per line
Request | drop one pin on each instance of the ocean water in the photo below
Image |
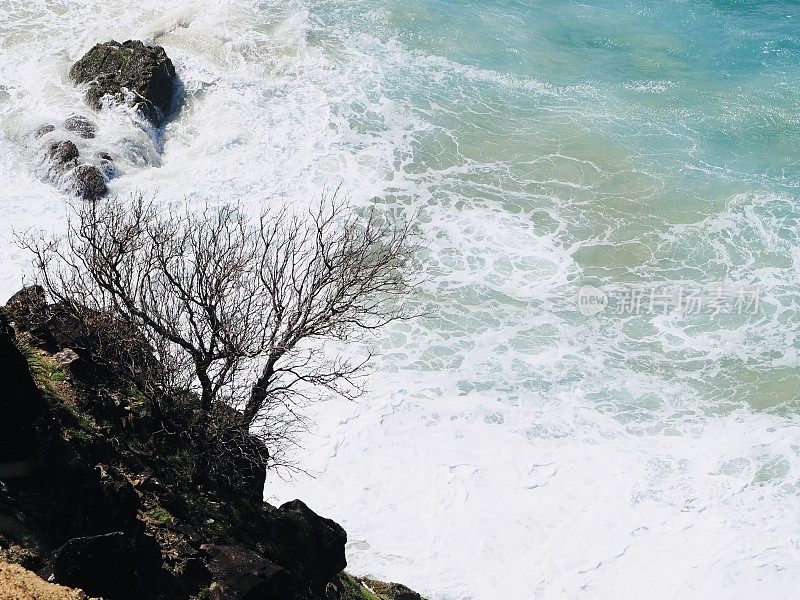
509	446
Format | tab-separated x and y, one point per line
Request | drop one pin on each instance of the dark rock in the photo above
29	312
189	532
193	575
59	490
132	73
148	574
100	565
43	130
80	125
306	544
107	166
62	153
252	468
119	499
239	574
85	455
105	345
87	180
20	406
113	565
91	185
72	499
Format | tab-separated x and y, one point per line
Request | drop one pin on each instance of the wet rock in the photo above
65	168
107	165
90	183
63	153
119	498
80	125
43	130
239	574
131	73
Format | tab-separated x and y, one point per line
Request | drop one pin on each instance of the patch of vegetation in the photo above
159	514
204	594
44	369
52	382
352	589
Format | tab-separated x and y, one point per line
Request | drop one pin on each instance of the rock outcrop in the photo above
142	77
240	574
20	405
89	182
108	565
64	166
307	544
106	501
132	74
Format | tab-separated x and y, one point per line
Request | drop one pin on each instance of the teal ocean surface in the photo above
510	445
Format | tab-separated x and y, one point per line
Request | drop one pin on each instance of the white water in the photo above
508	448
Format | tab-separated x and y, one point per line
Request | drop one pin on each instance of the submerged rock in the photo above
43	130
63	153
81	125
65	168
90	183
143	77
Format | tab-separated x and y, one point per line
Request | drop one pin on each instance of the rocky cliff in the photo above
94	492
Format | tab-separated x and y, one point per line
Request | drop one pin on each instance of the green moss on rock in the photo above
353	589
159	514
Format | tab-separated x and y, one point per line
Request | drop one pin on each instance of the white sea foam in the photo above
508	447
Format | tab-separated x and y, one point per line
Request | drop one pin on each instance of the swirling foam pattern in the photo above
508	447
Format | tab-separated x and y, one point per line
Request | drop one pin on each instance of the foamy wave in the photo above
509	447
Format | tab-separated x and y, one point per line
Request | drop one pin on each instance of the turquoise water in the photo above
654	142
509	446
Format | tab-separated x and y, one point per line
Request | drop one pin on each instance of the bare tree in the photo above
239	313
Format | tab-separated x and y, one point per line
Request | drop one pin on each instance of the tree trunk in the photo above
258	394
203	422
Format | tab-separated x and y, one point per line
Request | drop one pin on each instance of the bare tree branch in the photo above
238	313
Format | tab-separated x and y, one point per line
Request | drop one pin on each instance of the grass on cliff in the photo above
352	589
45	371
53	383
159	514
